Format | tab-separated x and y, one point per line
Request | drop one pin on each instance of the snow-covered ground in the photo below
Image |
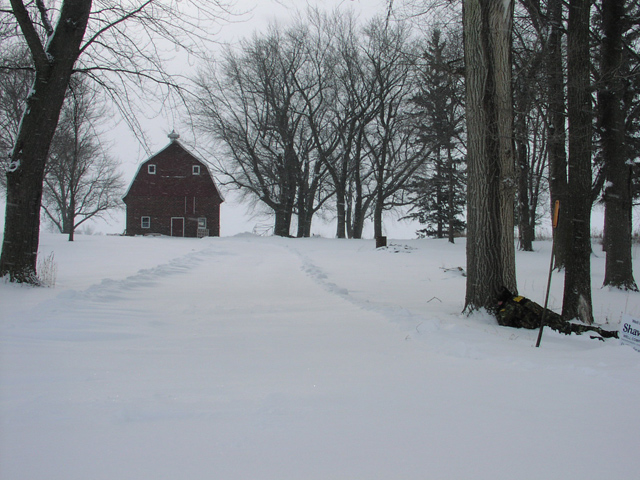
267	358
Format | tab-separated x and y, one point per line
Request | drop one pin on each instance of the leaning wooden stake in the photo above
556	209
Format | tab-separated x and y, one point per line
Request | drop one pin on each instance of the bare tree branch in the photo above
44	17
30	34
114	23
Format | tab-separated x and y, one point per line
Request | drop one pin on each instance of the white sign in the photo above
630	332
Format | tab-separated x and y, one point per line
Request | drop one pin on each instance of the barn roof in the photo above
173	181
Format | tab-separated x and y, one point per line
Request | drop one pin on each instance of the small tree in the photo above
82	181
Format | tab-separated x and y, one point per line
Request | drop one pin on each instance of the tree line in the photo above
325	116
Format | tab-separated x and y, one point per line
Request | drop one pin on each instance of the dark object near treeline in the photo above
520	312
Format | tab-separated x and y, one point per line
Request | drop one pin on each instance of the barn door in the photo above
177	227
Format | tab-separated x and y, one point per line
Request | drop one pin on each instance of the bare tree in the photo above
252	106
530	50
394	155
54	54
491	176
327	99
340	104
118	45
81	182
554	67
355	109
617	194
577	285
532	163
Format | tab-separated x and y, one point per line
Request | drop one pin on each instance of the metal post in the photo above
556	209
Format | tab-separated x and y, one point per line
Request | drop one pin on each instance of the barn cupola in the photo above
173	136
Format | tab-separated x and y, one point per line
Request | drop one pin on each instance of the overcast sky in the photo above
262	12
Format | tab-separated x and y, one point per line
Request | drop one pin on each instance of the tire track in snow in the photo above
396	313
106	303
441	336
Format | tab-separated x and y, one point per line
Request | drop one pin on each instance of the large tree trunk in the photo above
284	207
491	184
302	206
577	287
617	194
70	218
359	208
557	132
288	186
343	209
341	212
54	65
282	221
377	216
358	219
305	218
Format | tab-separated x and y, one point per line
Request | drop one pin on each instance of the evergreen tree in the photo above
439	191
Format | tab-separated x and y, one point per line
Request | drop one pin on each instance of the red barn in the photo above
174	194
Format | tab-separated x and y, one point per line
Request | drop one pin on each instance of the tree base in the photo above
520	312
26	276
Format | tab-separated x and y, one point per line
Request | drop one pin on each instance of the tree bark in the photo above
491	179
359	206
577	288
54	63
282	221
287	195
341	213
617	194
377	216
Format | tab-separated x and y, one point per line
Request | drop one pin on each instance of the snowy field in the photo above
267	358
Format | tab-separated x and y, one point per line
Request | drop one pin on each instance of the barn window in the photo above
145	222
151	169
202	222
196	169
